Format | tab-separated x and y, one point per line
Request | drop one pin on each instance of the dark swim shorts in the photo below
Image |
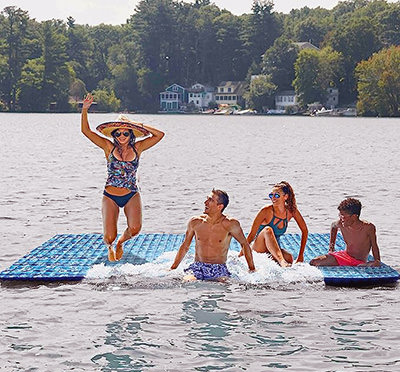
207	271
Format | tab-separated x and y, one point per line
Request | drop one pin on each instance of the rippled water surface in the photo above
51	182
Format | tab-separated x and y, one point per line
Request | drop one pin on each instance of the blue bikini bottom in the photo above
120	200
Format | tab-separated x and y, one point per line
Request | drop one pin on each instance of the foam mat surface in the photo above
70	256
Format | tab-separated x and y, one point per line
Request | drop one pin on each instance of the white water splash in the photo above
268	271
158	269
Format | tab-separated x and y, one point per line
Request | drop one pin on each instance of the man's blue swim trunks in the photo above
207	271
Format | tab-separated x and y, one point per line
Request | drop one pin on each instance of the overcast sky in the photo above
115	12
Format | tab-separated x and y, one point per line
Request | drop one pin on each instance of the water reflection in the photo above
221	332
127	339
209	332
207	321
209	328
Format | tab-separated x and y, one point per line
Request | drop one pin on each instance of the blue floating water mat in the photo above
318	244
69	257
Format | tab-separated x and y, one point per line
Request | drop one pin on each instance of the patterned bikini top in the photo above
122	173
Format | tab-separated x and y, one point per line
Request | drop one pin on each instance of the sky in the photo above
94	12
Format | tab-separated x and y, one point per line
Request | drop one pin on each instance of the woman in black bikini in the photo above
120	191
271	223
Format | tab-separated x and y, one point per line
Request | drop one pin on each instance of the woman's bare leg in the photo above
266	243
110	212
133	213
287	256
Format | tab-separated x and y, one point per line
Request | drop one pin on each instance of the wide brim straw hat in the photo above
122	122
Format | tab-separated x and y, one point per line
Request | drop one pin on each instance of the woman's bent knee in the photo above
134	230
269	232
109	238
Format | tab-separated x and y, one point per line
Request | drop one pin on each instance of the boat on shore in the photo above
208	112
324	112
225	109
245	112
350	111
275	112
223	112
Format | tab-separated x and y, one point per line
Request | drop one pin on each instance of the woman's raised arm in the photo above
156	136
85	128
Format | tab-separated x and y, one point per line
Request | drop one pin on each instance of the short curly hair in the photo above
350	206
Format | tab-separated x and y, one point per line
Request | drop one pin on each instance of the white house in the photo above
172	99
230	93
201	95
285	99
288	98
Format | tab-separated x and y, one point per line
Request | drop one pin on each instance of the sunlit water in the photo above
143	318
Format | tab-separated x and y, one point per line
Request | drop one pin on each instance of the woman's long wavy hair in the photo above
288	190
132	141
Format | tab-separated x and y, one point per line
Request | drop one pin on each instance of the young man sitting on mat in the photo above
359	236
213	232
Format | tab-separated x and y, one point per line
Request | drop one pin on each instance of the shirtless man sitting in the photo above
213	232
359	236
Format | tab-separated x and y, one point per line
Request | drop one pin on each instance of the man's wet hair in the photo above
350	206
223	197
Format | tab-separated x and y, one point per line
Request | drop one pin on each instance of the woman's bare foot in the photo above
287	256
111	254
119	251
284	263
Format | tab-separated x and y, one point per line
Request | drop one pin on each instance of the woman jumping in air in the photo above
121	191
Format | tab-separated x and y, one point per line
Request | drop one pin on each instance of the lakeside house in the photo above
173	98
287	99
176	98
231	93
201	95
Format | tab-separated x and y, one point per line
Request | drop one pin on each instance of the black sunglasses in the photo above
118	134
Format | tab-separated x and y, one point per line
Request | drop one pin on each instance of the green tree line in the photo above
52	64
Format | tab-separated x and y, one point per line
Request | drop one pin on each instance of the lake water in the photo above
51	183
